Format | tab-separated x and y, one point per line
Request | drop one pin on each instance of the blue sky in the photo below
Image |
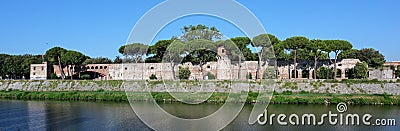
99	27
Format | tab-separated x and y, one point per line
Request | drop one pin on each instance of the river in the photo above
72	115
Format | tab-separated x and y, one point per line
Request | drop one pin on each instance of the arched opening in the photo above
88	75
305	74
349	73
92	67
338	73
101	67
96	67
293	73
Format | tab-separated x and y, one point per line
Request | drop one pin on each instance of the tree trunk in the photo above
70	73
259	65
240	62
335	70
173	71
60	68
295	64
315	66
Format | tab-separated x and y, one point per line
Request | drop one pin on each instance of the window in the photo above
340	64
208	66
42	68
101	67
105	67
96	67
152	68
92	67
223	50
34	68
34	73
126	68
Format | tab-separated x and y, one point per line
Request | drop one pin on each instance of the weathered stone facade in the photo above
381	74
39	71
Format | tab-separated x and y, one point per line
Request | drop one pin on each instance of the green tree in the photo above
174	54
17	66
337	46
265	52
199	52
295	43
98	60
349	54
53	57
242	43
53	54
184	73
136	51
117	60
280	52
158	51
72	58
324	73
203	32
201	46
361	70
372	57
315	48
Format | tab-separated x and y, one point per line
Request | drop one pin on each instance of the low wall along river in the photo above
209	86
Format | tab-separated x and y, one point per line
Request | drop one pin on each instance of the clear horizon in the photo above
99	28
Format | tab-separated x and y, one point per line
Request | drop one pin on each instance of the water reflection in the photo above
57	115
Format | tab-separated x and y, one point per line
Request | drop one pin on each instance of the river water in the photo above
67	115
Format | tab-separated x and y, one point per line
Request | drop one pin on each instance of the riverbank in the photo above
283	98
221	86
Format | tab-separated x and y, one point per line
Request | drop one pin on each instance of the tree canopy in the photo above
200	31
372	57
98	60
52	54
73	58
135	51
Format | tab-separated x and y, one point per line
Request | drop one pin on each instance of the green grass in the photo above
284	98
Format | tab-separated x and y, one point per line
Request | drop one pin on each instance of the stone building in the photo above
223	69
39	71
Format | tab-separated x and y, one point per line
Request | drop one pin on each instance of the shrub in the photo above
304	92
210	76
287	93
153	77
325	73
183	73
361	70
249	76
85	76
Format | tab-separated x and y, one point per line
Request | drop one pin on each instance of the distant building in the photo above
39	71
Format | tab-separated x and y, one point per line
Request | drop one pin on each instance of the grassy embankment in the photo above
284	98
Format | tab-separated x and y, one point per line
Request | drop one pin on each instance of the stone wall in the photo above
381	74
208	86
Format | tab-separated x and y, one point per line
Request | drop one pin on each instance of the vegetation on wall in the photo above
183	73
